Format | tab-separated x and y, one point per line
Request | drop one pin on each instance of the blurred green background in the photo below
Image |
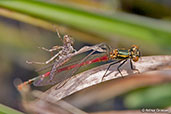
26	25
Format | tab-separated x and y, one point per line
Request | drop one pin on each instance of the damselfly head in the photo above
68	39
134	53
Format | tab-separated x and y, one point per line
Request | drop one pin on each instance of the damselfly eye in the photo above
138	53
134	47
135	53
135	59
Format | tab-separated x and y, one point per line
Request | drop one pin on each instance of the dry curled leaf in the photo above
110	89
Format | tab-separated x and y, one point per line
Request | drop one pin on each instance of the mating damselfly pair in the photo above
63	67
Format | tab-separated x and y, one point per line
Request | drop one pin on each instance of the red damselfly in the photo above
66	71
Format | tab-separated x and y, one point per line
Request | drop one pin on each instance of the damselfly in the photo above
66	71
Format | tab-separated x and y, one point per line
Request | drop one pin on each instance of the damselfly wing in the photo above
71	68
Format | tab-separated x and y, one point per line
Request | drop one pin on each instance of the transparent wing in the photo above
71	67
102	46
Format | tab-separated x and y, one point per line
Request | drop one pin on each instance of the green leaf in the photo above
7	110
145	30
151	97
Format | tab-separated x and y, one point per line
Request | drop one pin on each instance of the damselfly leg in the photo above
54	48
118	68
133	67
105	74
